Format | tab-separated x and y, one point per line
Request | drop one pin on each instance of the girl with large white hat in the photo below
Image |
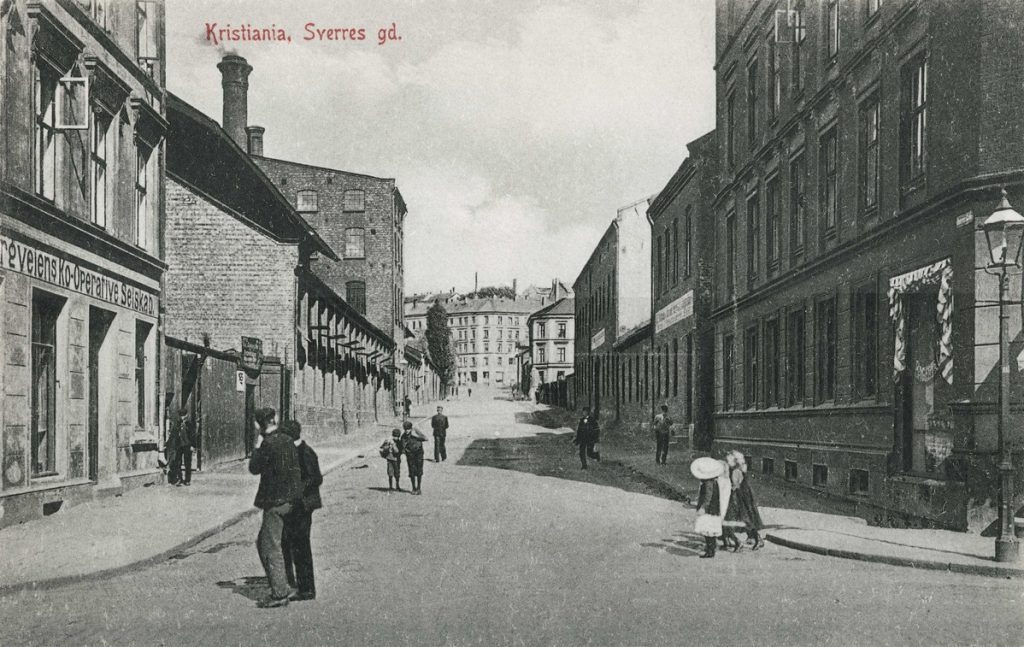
712	501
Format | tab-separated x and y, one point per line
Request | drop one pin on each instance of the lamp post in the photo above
1003	232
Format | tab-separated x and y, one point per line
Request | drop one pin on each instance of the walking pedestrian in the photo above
742	502
662	433
391	451
594	446
412	444
180	441
276	462
407	407
439	423
712	501
583	437
298	553
731	522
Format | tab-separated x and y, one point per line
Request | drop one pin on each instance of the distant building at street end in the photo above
552	333
613	296
682	265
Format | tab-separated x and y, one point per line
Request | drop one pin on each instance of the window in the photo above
796	206
869	162
730	255
542	355
657	265
771	229
865	341
727	372
141	337
307	201
858	481
774	78
730	128
825	352
752	104
768	466
148	31
832	28
750	374
799	33
795	358
355	242
914	122
819	475
561	330
675	251
753	238
97	10
541	329
45	311
561	354
828	164
355	295
354	200
44	140
487	333
688	241
792	473
675	367
689	378
100	155
487	349
142	206
772	363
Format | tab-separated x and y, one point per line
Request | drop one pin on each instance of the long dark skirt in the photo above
745	509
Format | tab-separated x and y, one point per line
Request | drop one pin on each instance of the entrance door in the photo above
99	383
927	422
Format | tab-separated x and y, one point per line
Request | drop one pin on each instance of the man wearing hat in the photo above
412	442
298	554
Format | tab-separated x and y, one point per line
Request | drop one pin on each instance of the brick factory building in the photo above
80	252
855	329
682	263
613	298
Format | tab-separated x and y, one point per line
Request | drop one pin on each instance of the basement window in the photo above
858	481
768	466
792	472
820	475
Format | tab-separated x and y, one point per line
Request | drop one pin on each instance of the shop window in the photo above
46	309
819	475
796	354
865	341
142	330
858	481
355	295
355	242
768	466
792	473
354	200
307	202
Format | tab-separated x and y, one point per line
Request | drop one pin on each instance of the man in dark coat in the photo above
412	445
584	437
277	464
298	554
180	441
439	423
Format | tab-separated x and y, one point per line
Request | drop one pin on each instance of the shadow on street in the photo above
254	588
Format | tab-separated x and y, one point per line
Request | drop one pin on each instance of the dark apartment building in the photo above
861	143
682	264
81	196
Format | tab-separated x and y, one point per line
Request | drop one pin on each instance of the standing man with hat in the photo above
585	436
439	423
298	553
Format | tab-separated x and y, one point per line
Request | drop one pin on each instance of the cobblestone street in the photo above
512	544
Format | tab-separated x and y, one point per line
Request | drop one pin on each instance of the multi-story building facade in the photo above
860	145
485	333
613	297
81	188
552	334
682	263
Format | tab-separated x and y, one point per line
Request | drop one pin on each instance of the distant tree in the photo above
503	291
439	343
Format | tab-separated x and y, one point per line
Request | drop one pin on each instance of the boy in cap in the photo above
412	443
391	451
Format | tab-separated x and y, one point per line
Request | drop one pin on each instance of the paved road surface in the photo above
511	544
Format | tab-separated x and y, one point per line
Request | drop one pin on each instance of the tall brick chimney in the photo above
234	72
254	139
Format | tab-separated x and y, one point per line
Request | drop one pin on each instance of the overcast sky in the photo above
513	128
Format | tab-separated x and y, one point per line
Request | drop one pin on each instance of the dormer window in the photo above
307	202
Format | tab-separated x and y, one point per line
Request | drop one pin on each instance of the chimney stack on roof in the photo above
234	72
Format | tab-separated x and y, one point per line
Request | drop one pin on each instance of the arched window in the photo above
355	242
307	202
355	200
355	294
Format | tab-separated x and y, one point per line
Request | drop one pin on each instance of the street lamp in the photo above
1003	232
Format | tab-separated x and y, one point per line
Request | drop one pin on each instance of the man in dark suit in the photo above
180	441
439	423
277	464
584	436
298	554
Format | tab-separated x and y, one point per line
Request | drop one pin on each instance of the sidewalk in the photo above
829	534
110	536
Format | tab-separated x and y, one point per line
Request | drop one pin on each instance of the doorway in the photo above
99	384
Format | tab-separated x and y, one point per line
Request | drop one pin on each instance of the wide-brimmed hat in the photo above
705	468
